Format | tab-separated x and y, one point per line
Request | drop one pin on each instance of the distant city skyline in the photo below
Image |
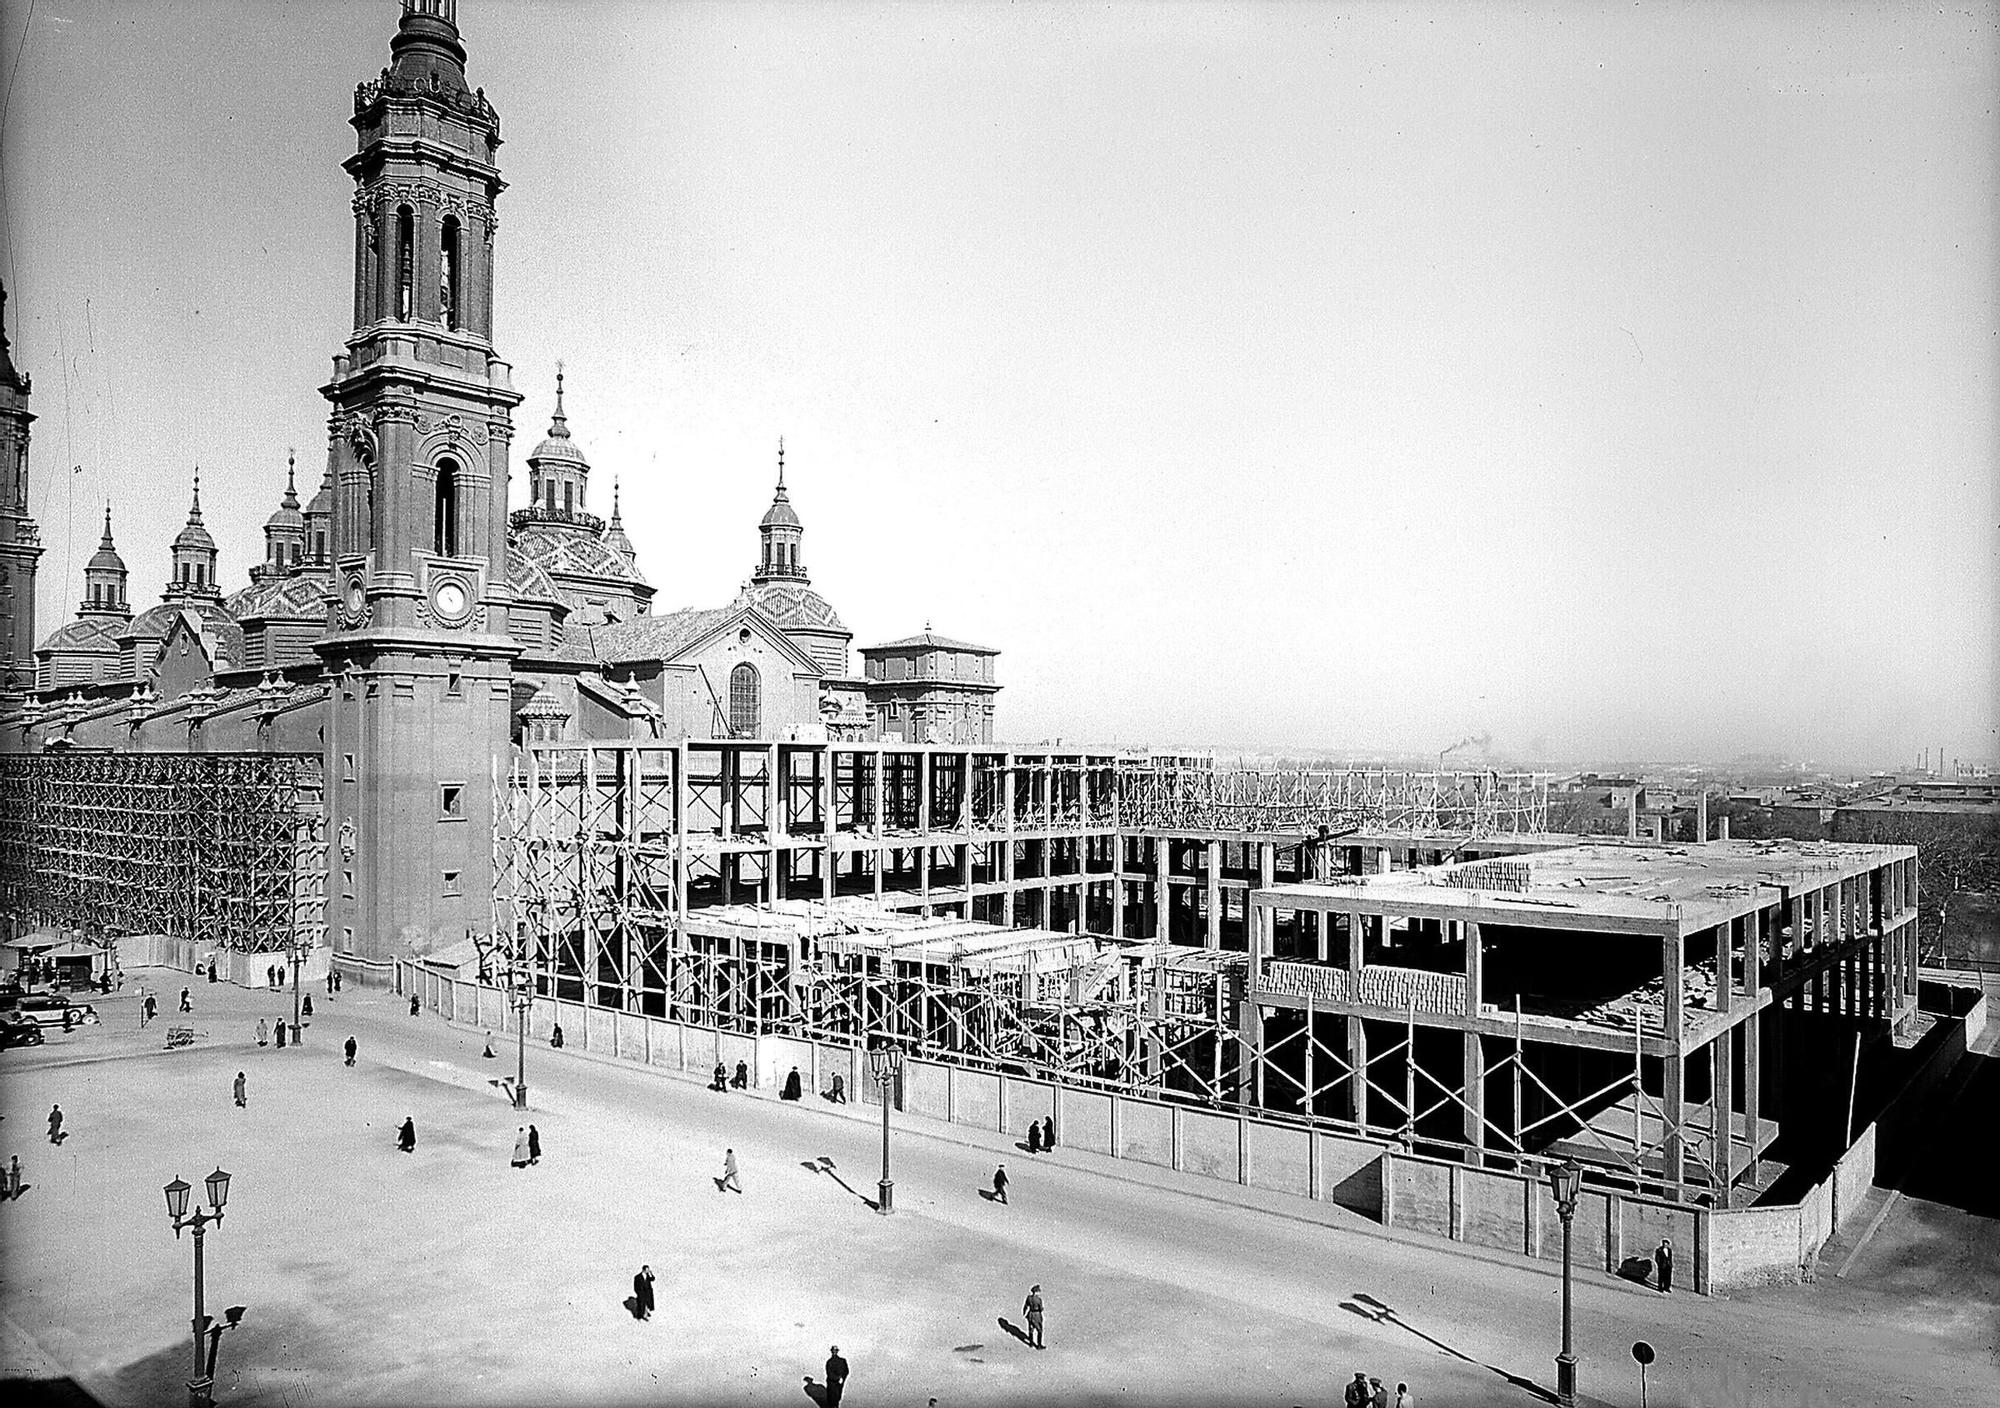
1268	377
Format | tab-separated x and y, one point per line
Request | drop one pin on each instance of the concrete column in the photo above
1722	1100
1214	896
1162	896
1267	864
1474	1126
1753	1089
1673	1085
1701	816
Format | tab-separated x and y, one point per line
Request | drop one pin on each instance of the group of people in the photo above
724	1081
274	975
527	1146
1367	1391
1042	1134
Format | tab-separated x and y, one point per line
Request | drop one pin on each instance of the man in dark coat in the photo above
742	1080
351	1049
1663	1261
721	1081
242	1091
534	1145
555	1037
55	1124
1034	1136
406	1137
1000	1184
1049	1132
186	1005
1032	1308
836	1377
413	1004
642	1294
793	1089
281	1033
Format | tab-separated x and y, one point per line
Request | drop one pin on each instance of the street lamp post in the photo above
885	1064
1566	1183
201	1388
524	996
298	1028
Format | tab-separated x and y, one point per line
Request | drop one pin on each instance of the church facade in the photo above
408	624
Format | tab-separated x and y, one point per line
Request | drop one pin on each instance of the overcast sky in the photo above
1616	381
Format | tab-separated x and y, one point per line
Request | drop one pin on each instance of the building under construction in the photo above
226	848
1429	967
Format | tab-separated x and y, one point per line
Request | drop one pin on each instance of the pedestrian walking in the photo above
836	1377
150	1008
1358	1394
263	1032
242	1090
1032	1308
413	1004
839	1092
1034	1136
729	1178
521	1147
1000	1184
186	1005
742	1080
1049	1132
270	975
351	1048
13	1177
642	1294
211	970
307	1008
338	981
1663	1261
281	1033
488	1052
555	1037
281	975
406	1137
55	1124
329	982
793	1087
534	1145
1404	1398
1378	1396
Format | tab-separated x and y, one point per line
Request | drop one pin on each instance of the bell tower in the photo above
20	539
418	655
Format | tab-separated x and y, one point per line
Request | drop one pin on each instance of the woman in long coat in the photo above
406	1137
521	1148
793	1087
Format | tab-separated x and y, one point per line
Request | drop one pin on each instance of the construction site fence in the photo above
241	967
1502	1209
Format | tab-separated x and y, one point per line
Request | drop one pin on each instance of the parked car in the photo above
52	1009
16	1031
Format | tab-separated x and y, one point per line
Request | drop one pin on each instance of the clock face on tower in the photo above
449	601
355	600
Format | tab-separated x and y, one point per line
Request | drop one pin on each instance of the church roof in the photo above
793	607
158	622
89	634
566	549
929	640
300	598
655	637
528	579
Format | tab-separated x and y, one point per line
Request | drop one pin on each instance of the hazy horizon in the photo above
1612	382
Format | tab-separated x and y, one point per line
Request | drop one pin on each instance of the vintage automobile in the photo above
19	1031
51	1009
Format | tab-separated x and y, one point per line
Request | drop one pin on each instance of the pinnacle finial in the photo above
194	509
614	500
781	464
558	422
107	525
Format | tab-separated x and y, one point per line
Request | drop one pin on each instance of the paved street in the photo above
447	1275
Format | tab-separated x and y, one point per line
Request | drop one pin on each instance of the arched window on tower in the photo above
406	261
745	702
549	495
569	498
448	272
444	518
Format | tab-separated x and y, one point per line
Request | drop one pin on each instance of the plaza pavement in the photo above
448	1276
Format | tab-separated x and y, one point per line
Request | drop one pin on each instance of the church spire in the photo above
104	577
781	533
194	554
